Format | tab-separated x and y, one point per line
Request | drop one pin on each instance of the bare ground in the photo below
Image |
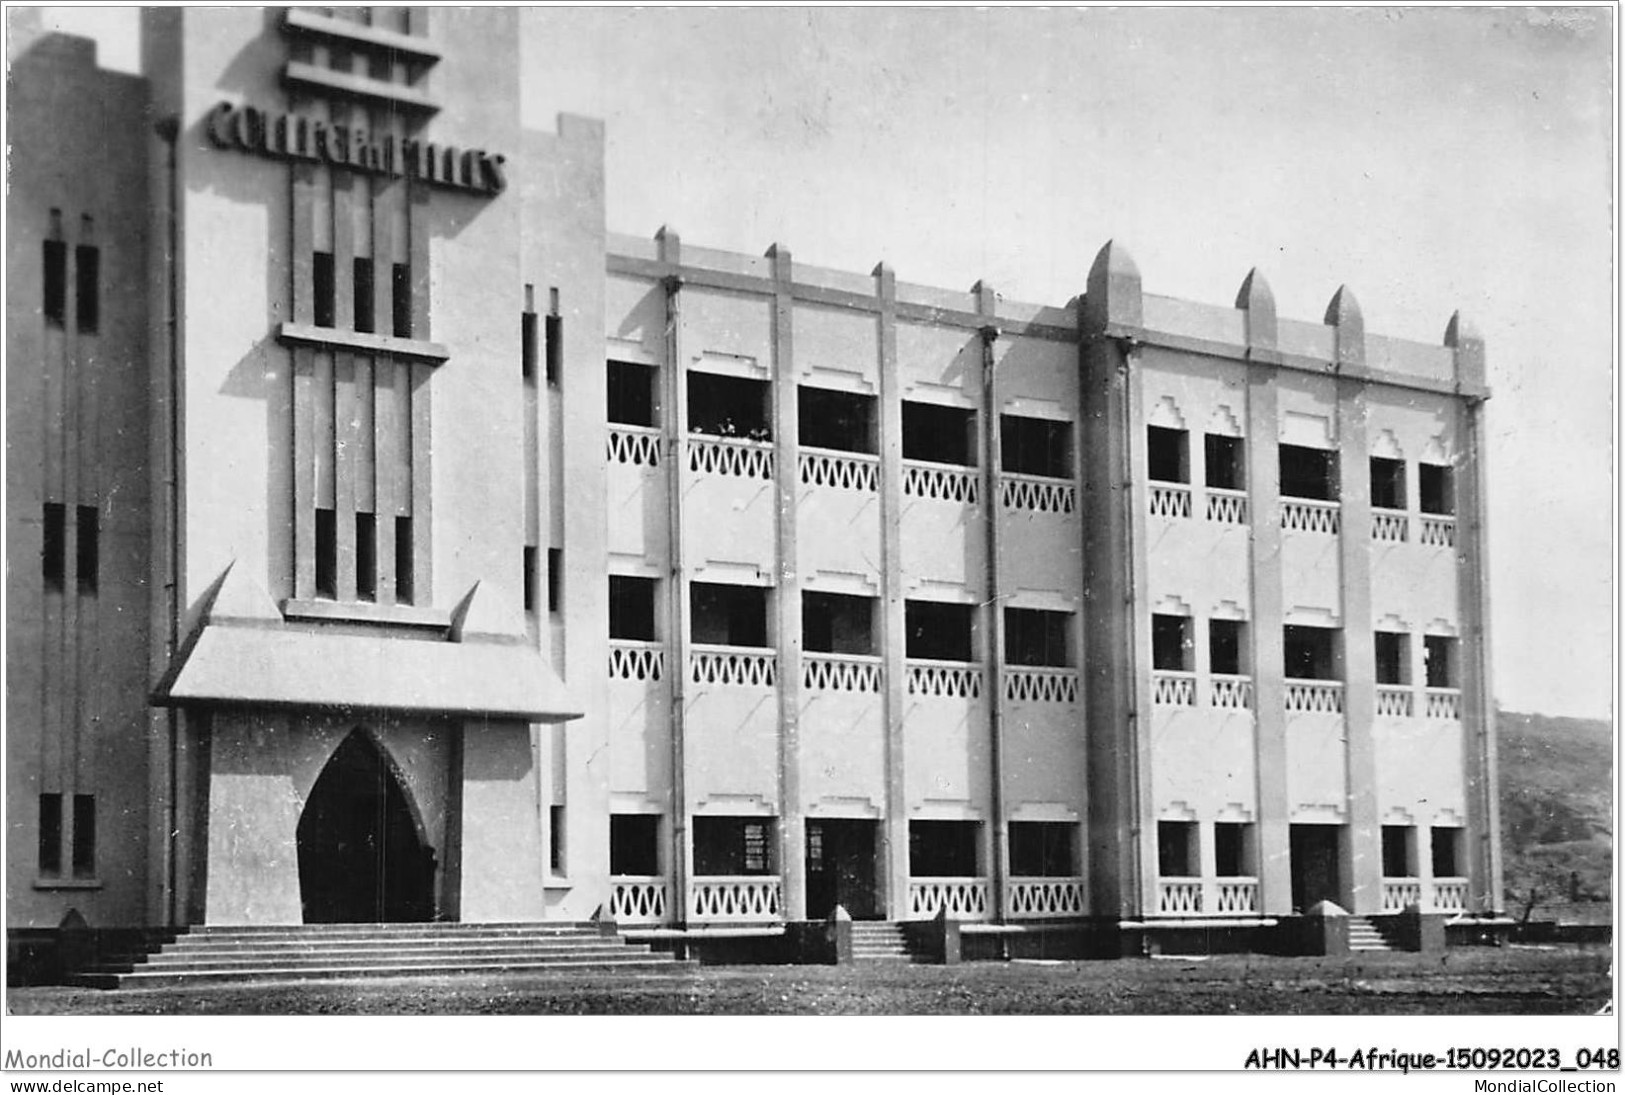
1465	981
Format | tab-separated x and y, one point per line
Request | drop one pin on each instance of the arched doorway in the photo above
361	859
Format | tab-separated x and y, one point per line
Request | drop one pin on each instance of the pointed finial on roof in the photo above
1256	299
1113	301
1343	314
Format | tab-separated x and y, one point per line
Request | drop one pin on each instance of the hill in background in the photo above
1557	796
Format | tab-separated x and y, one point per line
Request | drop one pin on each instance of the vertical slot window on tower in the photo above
527	345
366	557
362	284
400	299
528	564
321	270
50	834
84	836
327	554
1167	455
555	580
555	840
54	545
55	274
87	264
88	557
1387	483
1224	462
553	340
403	561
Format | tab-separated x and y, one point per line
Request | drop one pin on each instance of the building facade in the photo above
389	541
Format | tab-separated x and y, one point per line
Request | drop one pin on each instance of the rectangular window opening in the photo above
54	545
555	579
733	846
1035	446
1387	483
728	615
729	406
1449	846
1311	653
1393	657
88	558
1167	455
327	554
403	561
1042	849
1177	850
527	345
1172	643
87	262
362	286
1308	473
843	421
400	299
631	394
1227	647
939	631
1439	655
632	608
56	283
939	435
1397	858
322	277
1233	850
1226	468
1436	489
366	557
837	623
944	849
84	836
634	844
1037	637
50	834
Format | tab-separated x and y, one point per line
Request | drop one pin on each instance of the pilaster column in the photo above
993	513
892	854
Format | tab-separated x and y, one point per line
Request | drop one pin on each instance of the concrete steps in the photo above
881	942
1369	934
213	955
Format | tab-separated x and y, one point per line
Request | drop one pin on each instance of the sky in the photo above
1429	158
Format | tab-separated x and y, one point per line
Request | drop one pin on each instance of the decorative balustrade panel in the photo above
741	898
1179	896
634	445
1450	894
1395	702
636	661
1438	532
1036	493
1030	684
1232	692
1399	894
1236	896
1045	898
942	482
963	898
1173	689
730	456
1227	507
1390	527
638	900
734	665
1444	703
1325	697
953	679
1169	501
840	673
846	471
1300	515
